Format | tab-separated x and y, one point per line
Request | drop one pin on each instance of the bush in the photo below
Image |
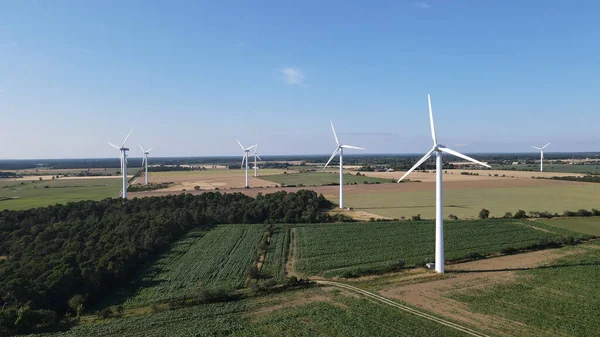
595	212
76	303
520	214
569	214
452	217
484	214
416	217
508	215
105	313
584	212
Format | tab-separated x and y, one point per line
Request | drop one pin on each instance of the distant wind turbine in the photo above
541	155
255	154
245	158
123	150
340	149
438	149
145	161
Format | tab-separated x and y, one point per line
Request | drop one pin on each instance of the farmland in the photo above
210	179
19	194
548	167
587	225
557	298
344	249
274	264
310	312
321	178
467	199
218	257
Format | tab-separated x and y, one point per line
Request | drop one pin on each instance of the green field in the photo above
217	258
16	195
321	178
274	264
551	168
560	298
466	203
311	312
338	249
589	225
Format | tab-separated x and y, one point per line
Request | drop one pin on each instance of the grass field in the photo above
16	195
559	298
310	312
466	203
217	258
589	225
339	249
551	168
274	264
320	178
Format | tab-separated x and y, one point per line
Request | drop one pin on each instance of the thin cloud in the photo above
293	76
422	5
461	145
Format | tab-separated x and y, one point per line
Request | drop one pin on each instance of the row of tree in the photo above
50	254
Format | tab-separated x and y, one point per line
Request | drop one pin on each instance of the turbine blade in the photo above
150	149
250	148
142	149
243	158
130	131
535	147
431	120
336	138
143	160
545	146
242	146
421	161
330	158
352	147
113	145
257	156
460	155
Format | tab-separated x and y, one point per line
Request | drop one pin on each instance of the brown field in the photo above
455	175
47	177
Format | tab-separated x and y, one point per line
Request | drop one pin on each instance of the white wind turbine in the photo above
438	149
340	149
145	161
123	150
541	155
245	158
255	154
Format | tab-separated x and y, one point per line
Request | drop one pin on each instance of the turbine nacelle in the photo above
339	147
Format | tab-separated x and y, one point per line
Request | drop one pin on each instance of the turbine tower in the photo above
438	149
541	155
123	150
340	149
255	154
145	161
245	158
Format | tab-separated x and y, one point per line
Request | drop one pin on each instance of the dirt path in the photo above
290	266
472	276
403	307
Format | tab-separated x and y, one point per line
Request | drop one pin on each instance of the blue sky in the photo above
190	77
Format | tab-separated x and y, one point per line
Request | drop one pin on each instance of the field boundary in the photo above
290	266
403	307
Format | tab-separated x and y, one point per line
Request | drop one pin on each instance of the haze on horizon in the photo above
191	77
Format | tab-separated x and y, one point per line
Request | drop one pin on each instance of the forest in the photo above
48	255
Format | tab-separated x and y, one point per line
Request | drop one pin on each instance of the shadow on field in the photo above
461	271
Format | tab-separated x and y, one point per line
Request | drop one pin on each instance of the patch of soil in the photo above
290	266
468	276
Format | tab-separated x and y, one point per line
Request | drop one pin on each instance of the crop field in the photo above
337	249
211	179
310	312
594	169
16	195
321	178
274	264
218	258
559	298
589	225
465	201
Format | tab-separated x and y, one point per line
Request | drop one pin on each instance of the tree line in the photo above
49	255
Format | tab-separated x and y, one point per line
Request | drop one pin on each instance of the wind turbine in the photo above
145	161
255	154
541	155
245	158
123	150
340	149
438	149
